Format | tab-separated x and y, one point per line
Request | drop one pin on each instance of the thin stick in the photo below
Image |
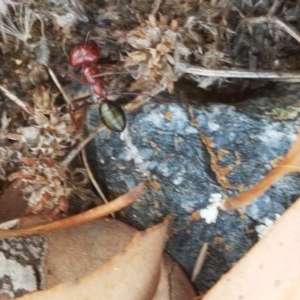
199	262
292	158
87	216
91	176
193	70
62	91
278	23
72	154
247	197
17	101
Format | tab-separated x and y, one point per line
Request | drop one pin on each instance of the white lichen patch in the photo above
266	225
178	180
156	118
132	152
21	277
212	126
164	169
272	136
210	212
180	119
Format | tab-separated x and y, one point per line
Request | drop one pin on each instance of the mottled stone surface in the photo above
195	155
21	265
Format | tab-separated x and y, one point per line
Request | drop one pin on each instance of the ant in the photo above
86	55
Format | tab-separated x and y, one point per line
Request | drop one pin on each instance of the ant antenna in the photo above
138	94
87	36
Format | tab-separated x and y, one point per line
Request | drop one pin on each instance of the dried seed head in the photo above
153	62
19	25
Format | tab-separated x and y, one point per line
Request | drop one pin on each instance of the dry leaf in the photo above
91	245
131	274
271	269
173	282
12	204
85	248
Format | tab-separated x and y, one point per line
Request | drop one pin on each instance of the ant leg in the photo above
81	102
60	70
77	110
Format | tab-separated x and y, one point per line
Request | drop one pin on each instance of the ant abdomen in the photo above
112	116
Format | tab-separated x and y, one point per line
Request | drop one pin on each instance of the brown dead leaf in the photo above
91	245
271	269
12	204
131	274
85	248
173	282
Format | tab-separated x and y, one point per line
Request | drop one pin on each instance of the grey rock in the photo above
164	143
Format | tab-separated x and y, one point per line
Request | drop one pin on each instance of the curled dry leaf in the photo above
87	216
131	274
173	282
89	245
271	269
290	163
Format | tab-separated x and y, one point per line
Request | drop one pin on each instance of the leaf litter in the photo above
225	39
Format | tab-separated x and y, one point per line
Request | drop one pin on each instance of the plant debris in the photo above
146	47
158	50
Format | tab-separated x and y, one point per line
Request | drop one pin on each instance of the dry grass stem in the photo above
58	85
73	153
21	27
193	70
278	23
28	109
87	216
199	262
91	176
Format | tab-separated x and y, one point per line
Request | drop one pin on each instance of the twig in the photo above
91	176
183	68
18	101
87	216
55	80
72	154
278	23
275	6
292	158
199	262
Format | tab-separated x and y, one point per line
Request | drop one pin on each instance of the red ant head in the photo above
89	73
84	54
